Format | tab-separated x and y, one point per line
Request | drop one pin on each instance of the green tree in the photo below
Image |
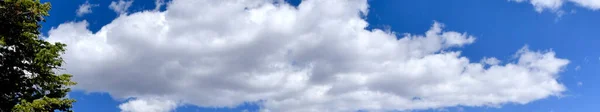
27	62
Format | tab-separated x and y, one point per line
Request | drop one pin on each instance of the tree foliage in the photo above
28	82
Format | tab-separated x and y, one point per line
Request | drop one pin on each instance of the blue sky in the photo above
501	28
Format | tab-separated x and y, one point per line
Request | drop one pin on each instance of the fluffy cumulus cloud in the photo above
85	8
317	56
555	5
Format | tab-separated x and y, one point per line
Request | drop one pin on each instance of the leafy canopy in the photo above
27	62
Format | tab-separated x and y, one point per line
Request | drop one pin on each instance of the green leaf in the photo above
27	63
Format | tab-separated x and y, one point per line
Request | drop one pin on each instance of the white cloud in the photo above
490	61
314	57
120	6
85	8
541	5
590	4
158	4
580	83
577	68
148	105
555	5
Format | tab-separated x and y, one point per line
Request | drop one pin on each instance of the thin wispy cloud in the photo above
121	6
556	5
85	8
